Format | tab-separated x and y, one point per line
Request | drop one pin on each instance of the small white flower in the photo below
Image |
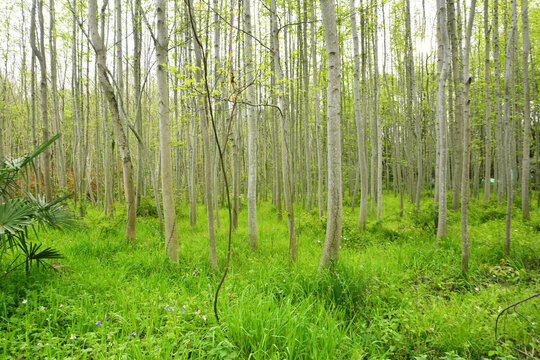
61	305
42	308
24	301
39	344
204	318
477	289
73	337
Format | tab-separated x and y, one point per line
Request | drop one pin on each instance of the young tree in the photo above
169	212
358	117
443	67
487	168
60	162
525	167
334	210
285	144
466	145
38	50
507	129
316	100
121	138
252	128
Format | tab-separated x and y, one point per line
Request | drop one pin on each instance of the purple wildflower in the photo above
98	322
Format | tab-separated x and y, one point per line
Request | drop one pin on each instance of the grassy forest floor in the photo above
393	294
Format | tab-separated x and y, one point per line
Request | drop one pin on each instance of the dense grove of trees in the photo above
305	104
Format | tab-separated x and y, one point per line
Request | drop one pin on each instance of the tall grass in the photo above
393	294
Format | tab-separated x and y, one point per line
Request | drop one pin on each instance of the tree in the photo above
487	168
285	145
359	127
316	100
121	138
507	129
334	209
39	53
169	212
443	66
466	145
252	128
61	166
526	112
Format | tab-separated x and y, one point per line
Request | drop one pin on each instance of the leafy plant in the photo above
20	216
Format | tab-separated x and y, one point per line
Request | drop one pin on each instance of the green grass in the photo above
393	294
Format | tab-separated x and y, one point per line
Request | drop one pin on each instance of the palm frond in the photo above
15	216
51	214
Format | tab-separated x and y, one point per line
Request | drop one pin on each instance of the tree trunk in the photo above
487	168
60	162
455	41
360	136
40	55
508	134
137	39
316	100
334	210
169	212
285	144
442	74
121	139
252	128
465	178
526	112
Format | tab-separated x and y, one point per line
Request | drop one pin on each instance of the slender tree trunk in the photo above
252	128
499	149
442	74
39	53
360	136
487	168
285	144
508	134
376	110
334	210
169	212
121	139
465	178
137	39
61	165
316	101
455	41
526	112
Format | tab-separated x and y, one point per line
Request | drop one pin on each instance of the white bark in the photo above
127	167
442	74
334	209
526	112
252	128
466	161
285	149
169	212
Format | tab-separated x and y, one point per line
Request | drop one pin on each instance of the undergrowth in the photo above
393	294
